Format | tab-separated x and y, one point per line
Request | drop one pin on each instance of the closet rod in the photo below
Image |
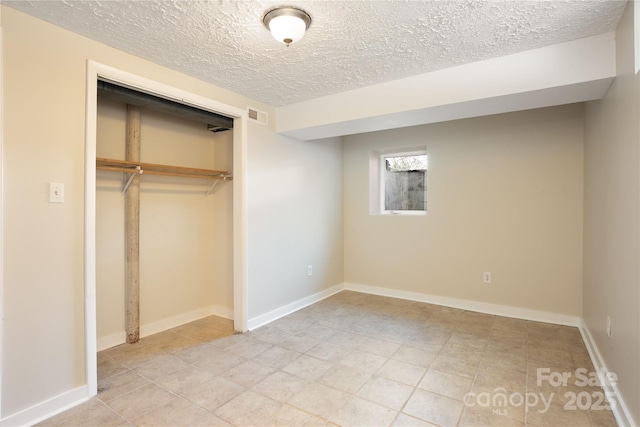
116	169
185	175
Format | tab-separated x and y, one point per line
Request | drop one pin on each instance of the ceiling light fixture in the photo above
287	24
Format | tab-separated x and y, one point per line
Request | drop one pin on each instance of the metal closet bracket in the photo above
138	171
215	183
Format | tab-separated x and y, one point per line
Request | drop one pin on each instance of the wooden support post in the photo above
132	230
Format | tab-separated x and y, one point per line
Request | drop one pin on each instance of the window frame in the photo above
407	152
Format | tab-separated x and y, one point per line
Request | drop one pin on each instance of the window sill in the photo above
404	213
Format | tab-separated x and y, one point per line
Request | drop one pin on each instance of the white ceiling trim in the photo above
575	71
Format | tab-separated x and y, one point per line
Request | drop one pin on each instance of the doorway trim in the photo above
1	207
97	70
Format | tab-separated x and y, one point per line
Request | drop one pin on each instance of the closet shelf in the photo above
154	169
137	168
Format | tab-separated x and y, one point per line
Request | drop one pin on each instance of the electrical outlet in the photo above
309	270
608	326
486	277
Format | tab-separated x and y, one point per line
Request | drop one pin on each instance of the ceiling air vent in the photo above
258	116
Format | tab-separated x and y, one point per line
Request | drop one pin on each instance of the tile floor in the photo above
350	360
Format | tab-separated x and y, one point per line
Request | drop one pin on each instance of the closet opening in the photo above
165	211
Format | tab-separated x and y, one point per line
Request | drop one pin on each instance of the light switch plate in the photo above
56	192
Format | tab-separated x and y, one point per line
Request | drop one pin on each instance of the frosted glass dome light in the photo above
287	24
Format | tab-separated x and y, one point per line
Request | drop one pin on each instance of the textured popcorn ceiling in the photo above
350	44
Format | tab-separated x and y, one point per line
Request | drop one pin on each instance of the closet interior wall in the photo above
186	264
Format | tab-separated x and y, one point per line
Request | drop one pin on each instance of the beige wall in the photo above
295	189
504	195
44	122
180	236
612	221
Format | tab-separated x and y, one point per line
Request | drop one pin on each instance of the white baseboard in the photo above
47	409
118	338
112	340
226	313
621	410
482	307
269	317
181	319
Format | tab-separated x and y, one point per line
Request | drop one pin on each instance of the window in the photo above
636	35
398	182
